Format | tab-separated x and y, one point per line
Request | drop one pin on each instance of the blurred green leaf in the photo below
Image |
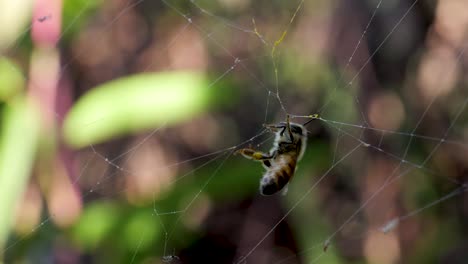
14	18
18	142
11	80
136	103
97	222
76	13
140	231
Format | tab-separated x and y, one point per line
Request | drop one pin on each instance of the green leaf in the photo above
141	229
75	13
137	103
11	80
18	143
97	222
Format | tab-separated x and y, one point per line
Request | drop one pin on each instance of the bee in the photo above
281	162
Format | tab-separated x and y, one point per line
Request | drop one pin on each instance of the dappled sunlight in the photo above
28	210
440	69
451	21
438	73
198	212
386	111
187	52
382	248
63	200
206	133
151	172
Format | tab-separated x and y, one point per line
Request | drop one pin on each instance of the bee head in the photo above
281	128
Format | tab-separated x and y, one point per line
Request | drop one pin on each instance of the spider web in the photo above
352	139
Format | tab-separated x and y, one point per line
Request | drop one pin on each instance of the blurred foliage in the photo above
75	14
97	222
137	103
11	81
201	75
17	151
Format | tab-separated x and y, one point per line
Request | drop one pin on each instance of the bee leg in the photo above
282	131
266	163
255	155
275	128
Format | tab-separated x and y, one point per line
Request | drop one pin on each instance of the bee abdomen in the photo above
276	178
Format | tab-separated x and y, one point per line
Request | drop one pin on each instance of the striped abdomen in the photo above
278	174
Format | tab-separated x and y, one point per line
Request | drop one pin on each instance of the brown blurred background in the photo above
387	77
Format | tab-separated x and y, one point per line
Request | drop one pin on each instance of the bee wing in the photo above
284	192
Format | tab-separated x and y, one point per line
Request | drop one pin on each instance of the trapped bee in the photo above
280	163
